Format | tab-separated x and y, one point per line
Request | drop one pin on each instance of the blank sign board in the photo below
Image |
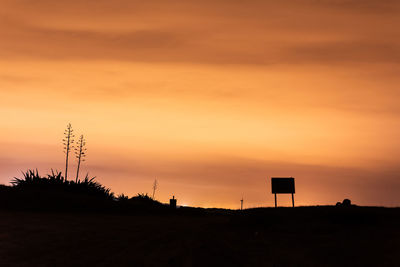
282	185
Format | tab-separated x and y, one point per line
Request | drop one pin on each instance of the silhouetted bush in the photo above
54	192
56	182
122	198
346	203
143	197
144	201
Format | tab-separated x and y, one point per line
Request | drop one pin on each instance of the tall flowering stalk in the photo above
155	185
68	142
80	154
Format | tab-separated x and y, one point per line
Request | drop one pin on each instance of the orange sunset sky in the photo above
212	98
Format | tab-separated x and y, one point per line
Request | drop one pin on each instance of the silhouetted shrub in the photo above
54	192
122	198
56	182
145	201
143	198
346	203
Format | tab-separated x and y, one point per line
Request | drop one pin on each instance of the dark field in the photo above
309	236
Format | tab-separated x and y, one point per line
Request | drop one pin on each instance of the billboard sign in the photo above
282	185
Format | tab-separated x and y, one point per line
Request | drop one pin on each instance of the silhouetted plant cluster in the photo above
144	200
140	202
143	197
54	192
56	182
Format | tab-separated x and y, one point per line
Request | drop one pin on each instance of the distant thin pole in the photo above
275	201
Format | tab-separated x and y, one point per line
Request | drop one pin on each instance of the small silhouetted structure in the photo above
172	203
283	186
345	203
241	204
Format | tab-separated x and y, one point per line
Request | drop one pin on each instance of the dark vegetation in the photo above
55	182
54	192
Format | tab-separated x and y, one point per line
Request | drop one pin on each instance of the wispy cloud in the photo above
221	32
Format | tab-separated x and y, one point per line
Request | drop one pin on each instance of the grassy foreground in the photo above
308	236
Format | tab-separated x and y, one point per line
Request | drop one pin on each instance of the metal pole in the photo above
275	201
292	200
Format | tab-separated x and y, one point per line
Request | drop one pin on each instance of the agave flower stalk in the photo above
80	154
68	142
155	185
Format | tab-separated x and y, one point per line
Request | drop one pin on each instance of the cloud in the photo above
350	51
222	32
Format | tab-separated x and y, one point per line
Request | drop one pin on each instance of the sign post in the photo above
172	202
282	186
